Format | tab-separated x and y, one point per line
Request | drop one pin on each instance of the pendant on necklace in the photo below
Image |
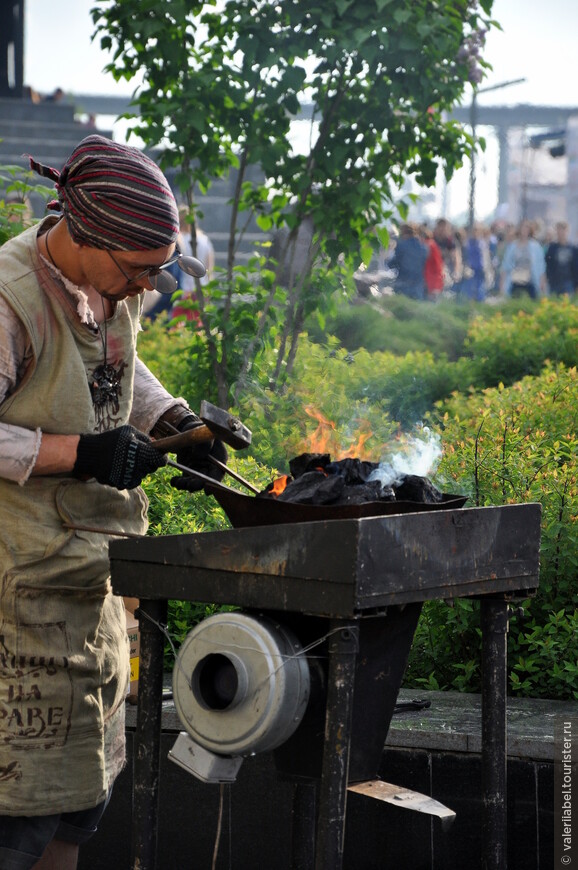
106	389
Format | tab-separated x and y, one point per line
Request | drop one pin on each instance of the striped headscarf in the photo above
114	197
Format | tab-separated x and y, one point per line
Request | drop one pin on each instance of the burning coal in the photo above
317	479
320	487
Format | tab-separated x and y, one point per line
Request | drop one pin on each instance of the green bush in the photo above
445	653
16	187
173	357
506	349
516	445
374	392
366	398
429	351
409	386
398	325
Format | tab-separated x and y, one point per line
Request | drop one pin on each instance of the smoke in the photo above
414	454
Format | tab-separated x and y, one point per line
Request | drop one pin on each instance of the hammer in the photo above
216	423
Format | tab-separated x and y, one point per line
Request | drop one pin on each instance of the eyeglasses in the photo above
158	278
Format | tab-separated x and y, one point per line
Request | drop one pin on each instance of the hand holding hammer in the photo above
213	423
201	445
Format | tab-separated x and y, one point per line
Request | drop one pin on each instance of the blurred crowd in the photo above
483	263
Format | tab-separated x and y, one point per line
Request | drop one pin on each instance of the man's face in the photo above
118	274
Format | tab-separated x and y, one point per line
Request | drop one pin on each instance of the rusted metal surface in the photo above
343	648
340	568
303	818
383	647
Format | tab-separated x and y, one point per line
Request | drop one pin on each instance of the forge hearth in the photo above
320	489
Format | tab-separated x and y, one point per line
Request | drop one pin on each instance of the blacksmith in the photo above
75	401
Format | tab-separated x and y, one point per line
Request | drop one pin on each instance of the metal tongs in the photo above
211	480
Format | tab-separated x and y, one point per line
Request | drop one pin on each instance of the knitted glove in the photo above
197	457
121	457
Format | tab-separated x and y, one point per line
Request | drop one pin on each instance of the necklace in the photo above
105	380
105	387
50	257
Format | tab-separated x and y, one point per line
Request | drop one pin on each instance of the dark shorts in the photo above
23	839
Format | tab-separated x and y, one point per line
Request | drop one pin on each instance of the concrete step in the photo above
40	113
12	128
52	149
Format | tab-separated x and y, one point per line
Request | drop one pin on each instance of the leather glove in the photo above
197	457
121	457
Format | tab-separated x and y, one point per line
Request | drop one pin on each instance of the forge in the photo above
319	488
354	588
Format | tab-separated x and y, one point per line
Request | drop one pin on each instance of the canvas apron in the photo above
64	664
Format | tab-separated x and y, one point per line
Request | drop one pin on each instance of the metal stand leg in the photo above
147	739
494	617
343	646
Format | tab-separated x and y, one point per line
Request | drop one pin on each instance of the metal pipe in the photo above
147	738
494	620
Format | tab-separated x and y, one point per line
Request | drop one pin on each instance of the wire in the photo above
286	659
219	826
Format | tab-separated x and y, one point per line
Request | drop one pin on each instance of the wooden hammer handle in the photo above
172	443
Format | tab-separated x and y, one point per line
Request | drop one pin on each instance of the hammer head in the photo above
224	426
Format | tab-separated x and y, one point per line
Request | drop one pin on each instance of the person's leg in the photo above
73	830
23	840
58	855
46	842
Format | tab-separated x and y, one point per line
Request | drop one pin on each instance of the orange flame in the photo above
326	440
279	485
356	451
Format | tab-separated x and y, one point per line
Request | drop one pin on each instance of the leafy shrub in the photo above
542	654
363	391
366	397
410	386
174	358
506	349
445	653
17	187
516	445
398	324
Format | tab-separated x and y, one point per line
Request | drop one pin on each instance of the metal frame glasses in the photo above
158	278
